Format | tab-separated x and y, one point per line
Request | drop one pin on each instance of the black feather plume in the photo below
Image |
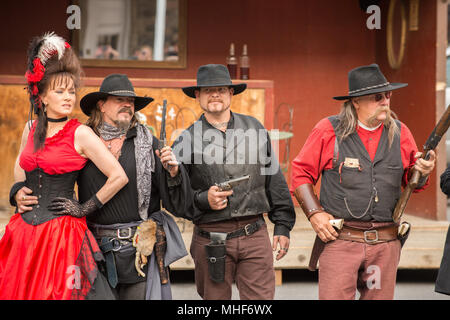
33	50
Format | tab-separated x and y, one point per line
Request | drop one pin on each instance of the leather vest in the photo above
215	157
359	189
46	187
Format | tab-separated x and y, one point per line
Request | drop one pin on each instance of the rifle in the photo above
162	133
230	184
432	142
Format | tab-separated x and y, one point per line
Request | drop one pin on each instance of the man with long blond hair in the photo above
364	156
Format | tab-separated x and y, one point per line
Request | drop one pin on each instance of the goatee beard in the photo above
122	125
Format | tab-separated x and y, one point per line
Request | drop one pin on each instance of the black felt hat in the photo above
113	85
367	80
213	75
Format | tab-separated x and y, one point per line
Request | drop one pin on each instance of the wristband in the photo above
308	200
96	201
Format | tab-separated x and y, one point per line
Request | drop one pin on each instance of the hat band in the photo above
215	82
368	88
122	91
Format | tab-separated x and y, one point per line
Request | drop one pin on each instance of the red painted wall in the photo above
306	47
415	105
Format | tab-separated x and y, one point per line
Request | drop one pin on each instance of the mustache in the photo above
125	109
386	109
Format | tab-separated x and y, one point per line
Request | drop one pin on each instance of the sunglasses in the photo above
380	96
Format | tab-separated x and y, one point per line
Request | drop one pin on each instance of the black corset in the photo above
46	187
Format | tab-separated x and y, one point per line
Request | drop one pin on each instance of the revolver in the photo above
229	184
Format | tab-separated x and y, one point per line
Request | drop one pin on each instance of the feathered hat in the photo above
40	51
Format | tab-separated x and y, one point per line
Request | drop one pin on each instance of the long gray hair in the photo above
348	121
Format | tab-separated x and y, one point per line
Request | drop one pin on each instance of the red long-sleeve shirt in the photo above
317	152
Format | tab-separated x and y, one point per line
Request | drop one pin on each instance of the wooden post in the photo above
278	277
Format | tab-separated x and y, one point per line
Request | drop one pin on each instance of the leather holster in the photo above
216	253
108	245
308	200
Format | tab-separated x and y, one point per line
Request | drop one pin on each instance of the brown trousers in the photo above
249	262
347	266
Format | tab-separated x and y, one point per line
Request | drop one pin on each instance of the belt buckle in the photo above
367	232
119	236
246	229
116	244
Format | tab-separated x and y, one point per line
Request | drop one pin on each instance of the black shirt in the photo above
123	207
281	210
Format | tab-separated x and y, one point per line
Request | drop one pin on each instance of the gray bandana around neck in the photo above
109	132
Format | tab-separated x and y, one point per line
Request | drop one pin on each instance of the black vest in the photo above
368	191
206	151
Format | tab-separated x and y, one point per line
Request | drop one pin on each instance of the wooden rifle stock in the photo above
431	144
401	204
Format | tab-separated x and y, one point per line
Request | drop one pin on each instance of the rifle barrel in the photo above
162	134
438	132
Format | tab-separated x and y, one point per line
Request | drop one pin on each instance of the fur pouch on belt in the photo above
144	240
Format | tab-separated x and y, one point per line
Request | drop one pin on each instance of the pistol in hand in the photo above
230	184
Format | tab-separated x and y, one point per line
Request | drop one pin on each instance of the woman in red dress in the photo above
47	251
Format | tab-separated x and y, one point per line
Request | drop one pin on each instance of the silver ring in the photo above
224	201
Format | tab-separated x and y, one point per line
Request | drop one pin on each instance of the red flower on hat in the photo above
38	72
34	90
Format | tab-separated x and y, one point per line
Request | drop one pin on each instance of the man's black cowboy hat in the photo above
367	80
113	85
213	75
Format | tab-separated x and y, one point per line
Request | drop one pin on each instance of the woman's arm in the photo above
21	196
89	145
19	173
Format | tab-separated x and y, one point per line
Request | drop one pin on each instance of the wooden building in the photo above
300	52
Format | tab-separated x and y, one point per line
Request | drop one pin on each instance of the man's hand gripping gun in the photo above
230	184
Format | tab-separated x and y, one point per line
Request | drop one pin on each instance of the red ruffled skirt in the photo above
51	261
